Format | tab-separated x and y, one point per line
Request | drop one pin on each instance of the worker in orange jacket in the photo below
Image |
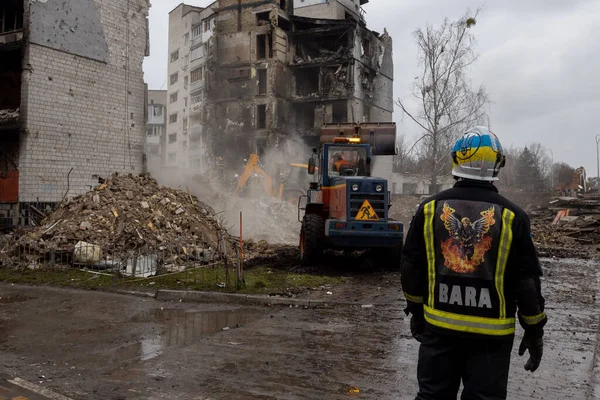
340	164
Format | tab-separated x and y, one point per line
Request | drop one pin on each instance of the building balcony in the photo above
197	62
156	120
196	131
196	85
12	36
153	139
196	41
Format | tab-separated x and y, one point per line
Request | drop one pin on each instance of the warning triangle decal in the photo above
367	213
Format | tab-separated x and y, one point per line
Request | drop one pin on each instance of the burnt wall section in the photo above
83	115
70	26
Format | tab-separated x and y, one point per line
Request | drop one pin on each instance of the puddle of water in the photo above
184	328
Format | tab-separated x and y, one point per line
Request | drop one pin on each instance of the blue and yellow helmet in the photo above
478	155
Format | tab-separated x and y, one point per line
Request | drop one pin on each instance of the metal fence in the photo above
194	264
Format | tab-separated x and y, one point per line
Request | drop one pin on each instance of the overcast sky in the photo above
539	60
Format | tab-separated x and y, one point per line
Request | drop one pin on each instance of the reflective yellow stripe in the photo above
414	299
506	237
429	211
533	320
470	324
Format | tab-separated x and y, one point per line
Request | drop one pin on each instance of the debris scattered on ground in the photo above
567	224
125	214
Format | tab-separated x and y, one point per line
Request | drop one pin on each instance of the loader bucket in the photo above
381	136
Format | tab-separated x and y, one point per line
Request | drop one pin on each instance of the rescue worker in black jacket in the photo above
469	265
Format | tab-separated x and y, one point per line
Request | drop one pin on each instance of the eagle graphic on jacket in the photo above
467	243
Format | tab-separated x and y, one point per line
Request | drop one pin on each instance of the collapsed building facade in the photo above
72	104
250	76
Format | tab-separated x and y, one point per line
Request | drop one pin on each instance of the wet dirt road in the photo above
90	345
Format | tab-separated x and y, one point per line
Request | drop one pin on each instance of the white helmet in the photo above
478	155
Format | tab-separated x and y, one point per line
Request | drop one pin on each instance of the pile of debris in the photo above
125	214
568	222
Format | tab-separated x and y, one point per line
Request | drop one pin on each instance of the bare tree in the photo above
404	161
543	161
448	105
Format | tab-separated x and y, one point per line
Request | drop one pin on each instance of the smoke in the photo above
264	216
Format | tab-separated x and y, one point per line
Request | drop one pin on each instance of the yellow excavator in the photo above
288	189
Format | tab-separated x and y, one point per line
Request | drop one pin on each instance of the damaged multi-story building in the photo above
72	99
156	129
248	76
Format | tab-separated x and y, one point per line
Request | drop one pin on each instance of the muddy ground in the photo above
90	345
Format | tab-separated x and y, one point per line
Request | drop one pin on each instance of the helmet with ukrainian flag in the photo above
478	155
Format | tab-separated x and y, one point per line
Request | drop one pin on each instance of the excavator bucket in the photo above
381	136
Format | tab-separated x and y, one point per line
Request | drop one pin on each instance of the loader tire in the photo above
312	239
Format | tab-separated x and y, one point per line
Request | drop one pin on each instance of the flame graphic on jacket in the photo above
468	243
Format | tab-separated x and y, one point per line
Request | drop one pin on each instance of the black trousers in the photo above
481	363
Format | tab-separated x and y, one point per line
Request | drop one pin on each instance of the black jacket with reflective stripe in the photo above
469	261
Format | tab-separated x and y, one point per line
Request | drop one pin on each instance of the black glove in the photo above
536	350
417	326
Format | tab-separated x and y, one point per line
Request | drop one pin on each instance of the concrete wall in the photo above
79	112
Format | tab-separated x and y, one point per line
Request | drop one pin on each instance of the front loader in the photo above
345	208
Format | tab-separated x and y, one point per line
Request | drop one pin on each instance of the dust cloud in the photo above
264	216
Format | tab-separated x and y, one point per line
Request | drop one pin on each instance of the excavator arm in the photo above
252	167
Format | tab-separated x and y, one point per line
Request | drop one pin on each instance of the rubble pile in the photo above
126	213
567	222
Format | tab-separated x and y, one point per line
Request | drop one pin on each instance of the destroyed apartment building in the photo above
247	76
72	104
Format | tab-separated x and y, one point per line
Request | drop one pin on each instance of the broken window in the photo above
207	24
264	47
340	112
172	138
263	18
260	147
262	81
185	123
185	82
283	4
284	24
196	74
305	116
307	81
173	118
173	97
11	16
175	56
261	116
197	97
261	47
185	101
366	47
186	39
173	79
